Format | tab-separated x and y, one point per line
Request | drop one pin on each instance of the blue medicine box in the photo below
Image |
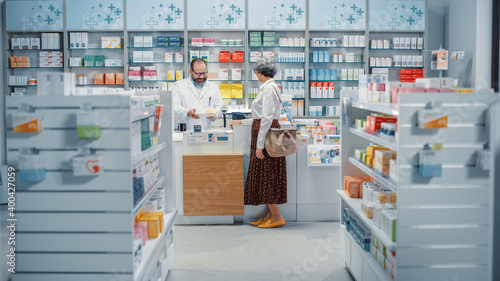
313	74
333	75
174	38
321	74
161	38
315	56
321	58
326	56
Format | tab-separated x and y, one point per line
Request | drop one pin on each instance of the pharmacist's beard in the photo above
199	81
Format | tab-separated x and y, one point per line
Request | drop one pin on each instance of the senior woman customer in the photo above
266	179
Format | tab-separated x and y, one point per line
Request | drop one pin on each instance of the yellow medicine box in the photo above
162	223
153	226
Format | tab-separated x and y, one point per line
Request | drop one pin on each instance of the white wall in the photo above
468	29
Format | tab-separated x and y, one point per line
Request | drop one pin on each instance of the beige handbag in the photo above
281	142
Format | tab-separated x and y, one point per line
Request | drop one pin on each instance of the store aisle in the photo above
297	251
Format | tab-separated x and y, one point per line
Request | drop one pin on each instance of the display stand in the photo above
81	228
444	224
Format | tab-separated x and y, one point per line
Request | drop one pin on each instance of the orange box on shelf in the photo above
99	78
370	150
239	56
139	215
24	64
406	71
352	186
19	59
224	56
160	215
119	78
153	226
109	78
369	161
26	59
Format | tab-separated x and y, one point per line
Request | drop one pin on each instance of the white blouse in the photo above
266	106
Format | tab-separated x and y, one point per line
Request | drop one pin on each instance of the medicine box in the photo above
106	42
116	42
138	41
137	56
35	43
148	41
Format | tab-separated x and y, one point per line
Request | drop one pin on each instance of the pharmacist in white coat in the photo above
194	93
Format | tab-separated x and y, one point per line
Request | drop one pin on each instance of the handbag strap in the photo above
291	123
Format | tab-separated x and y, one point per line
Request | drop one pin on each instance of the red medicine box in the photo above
224	56
373	123
239	56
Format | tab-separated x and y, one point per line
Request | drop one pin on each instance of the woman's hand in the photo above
234	122
259	153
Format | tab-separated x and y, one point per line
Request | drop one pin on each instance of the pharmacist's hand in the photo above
259	153
211	117
237	122
192	114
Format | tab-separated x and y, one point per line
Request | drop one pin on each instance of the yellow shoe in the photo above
268	223
260	221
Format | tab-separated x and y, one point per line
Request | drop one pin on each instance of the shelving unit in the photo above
70	216
213	64
443	223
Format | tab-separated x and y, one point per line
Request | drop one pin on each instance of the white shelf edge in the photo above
389	183
376	106
356	207
323	165
374	138
151	250
145	198
144	113
146	153
381	273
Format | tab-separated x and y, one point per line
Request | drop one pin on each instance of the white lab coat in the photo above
185	98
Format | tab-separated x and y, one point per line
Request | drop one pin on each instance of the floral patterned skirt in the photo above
266	178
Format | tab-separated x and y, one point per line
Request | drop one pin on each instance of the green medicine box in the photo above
89	61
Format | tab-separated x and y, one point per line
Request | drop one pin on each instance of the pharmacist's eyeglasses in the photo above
200	74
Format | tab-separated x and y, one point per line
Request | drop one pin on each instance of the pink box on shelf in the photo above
325	122
195	41
208	42
144	227
329	129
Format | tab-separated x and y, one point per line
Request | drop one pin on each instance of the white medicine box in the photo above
148	41
138	41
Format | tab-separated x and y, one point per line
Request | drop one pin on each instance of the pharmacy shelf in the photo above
152	248
385	141
155	62
233	99
285	62
83	85
323	164
397	31
355	204
36	67
381	273
33	50
388	182
267	47
314	117
100	49
218	80
136	160
385	108
236	62
145	198
218	46
95	66
392	49
22	85
156	80
156	47
361	62
409	67
334	81
338	47
324	98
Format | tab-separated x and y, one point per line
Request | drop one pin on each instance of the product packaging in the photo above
31	166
